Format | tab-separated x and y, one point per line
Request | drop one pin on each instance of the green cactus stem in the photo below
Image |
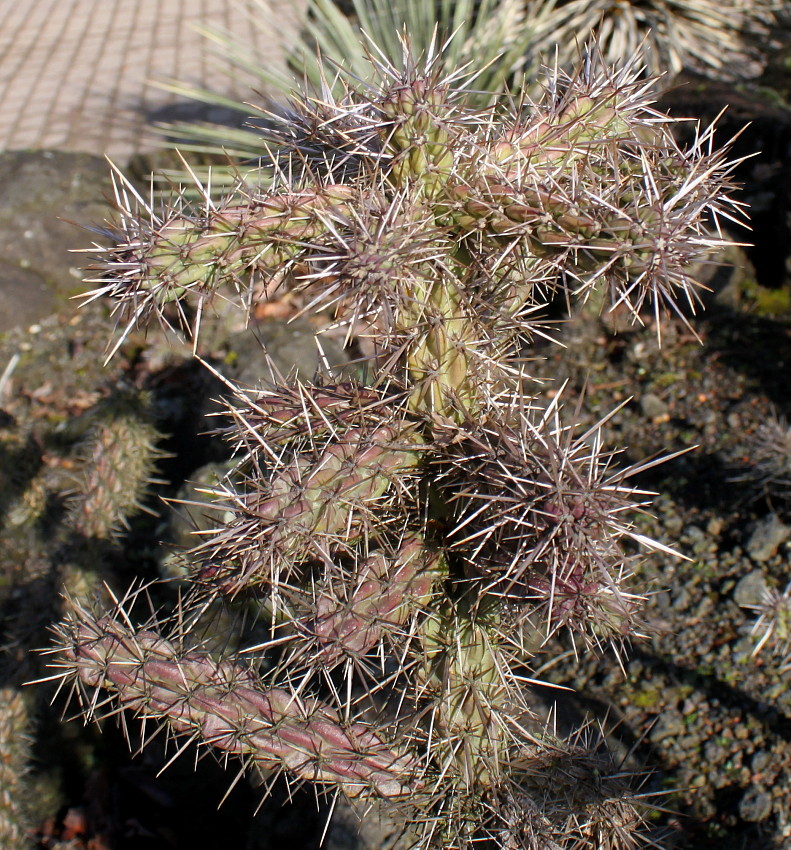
463	665
385	592
317	499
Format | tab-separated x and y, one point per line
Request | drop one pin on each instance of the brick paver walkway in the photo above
76	74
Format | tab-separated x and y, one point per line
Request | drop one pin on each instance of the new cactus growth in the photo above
411	540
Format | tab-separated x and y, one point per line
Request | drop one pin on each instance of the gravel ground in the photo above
712	719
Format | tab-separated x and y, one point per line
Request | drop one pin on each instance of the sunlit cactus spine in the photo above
771	629
411	541
15	745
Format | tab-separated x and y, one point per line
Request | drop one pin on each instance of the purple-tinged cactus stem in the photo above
220	704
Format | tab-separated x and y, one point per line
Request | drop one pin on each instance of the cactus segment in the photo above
316	499
385	593
587	798
264	235
461	666
222	705
419	137
119	455
437	360
195	253
283	415
539	514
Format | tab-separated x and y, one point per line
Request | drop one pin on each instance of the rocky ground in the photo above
693	703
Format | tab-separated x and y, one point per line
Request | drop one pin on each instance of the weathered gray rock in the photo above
351	829
767	537
291	348
25	298
750	589
755	805
46	198
669	725
653	407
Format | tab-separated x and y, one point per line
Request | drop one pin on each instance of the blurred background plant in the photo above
15	730
766	471
764	474
772	626
724	40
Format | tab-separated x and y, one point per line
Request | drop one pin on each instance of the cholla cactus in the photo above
723	40
14	753
118	462
412	541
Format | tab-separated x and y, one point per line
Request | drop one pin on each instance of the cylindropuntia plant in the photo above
118	463
412	538
15	831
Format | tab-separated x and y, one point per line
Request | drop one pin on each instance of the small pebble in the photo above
750	589
767	537
760	761
755	805
669	725
654	408
715	526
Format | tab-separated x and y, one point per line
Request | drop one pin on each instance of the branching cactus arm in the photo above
223	705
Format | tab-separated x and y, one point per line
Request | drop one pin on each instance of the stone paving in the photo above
77	75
